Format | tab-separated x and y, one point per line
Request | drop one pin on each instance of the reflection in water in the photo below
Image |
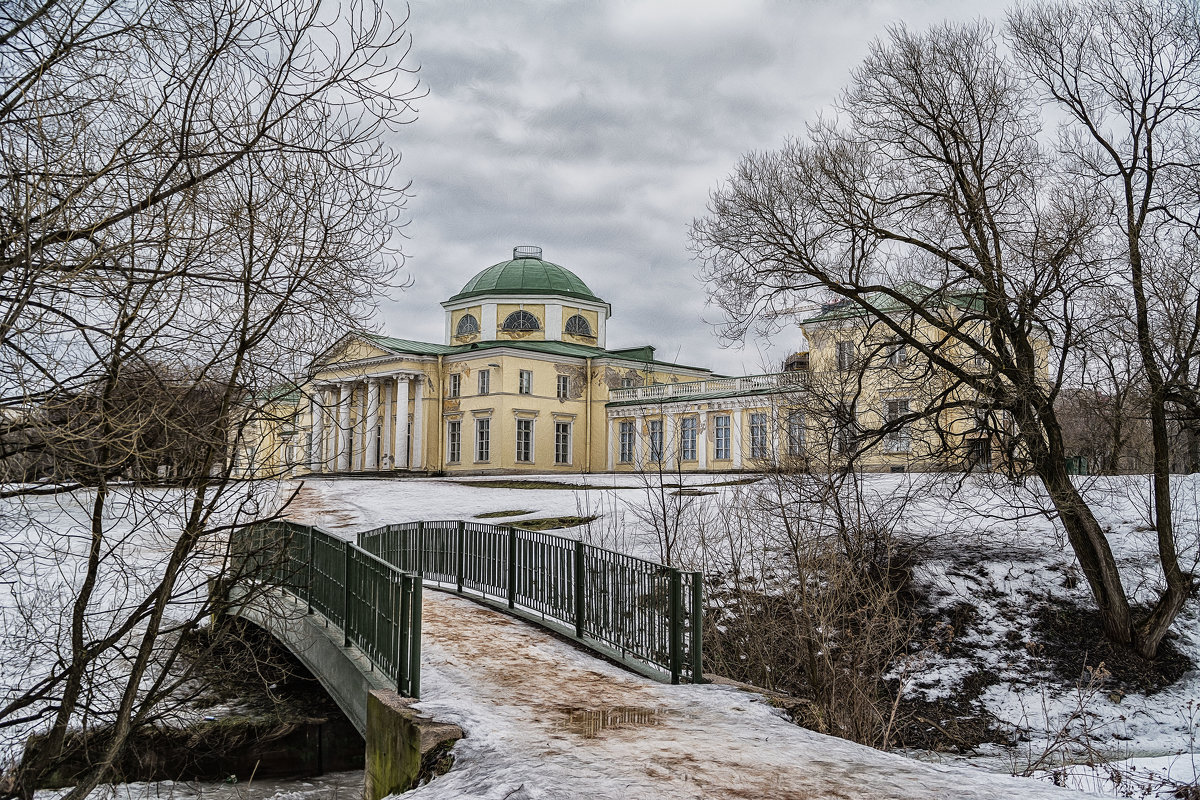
589	723
330	786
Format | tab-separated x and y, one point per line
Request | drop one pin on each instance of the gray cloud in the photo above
597	130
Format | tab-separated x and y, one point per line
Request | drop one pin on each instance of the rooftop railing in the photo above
751	383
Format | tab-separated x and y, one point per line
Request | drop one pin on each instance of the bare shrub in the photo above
809	596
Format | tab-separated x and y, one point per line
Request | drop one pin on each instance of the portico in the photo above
367	422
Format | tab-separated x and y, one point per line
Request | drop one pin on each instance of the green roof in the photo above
643	354
847	308
526	276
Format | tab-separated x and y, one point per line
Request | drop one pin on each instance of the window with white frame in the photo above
455	385
525	382
467	324
688	428
758	436
796	433
655	429
521	320
453	441
562	442
897	441
483	439
721	437
845	355
485	381
627	439
564	387
898	355
524	440
577	325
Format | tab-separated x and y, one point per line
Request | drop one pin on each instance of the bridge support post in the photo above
675	618
414	642
346	596
308	568
697	627
512	568
461	553
579	587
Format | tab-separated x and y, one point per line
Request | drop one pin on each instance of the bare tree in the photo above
195	192
932	206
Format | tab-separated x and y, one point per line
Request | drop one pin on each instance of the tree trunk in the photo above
1093	551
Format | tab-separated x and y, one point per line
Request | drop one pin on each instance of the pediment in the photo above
348	349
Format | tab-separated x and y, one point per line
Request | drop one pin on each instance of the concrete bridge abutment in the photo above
402	746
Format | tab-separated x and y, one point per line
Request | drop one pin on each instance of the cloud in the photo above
597	130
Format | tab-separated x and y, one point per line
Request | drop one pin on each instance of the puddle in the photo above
590	723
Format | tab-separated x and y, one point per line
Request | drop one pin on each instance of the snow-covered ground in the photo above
986	545
546	720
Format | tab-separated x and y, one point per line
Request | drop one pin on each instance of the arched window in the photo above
578	326
467	324
521	321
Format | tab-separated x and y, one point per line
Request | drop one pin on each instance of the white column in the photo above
402	431
641	447
487	325
702	440
671	441
372	447
611	442
389	410
736	433
418	435
316	410
554	322
342	436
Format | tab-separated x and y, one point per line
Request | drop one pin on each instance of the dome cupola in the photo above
526	274
526	297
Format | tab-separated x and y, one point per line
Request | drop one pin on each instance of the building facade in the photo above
523	382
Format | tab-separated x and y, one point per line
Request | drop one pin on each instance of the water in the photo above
330	786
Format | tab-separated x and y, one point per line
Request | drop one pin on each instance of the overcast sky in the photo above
597	130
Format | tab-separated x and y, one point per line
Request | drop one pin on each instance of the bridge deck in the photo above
545	719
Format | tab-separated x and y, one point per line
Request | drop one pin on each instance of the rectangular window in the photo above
656	440
721	448
758	436
564	387
562	443
845	355
455	385
796	434
485	381
453	441
898	355
628	439
897	441
524	440
525	385
687	438
483	439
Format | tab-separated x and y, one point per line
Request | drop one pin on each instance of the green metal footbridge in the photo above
645	615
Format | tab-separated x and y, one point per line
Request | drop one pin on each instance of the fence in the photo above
376	605
642	613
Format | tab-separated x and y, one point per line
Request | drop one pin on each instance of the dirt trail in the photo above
547	720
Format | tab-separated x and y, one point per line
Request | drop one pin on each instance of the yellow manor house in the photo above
523	382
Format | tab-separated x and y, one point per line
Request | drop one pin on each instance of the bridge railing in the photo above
644	614
376	605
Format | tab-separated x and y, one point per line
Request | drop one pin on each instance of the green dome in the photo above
526	274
